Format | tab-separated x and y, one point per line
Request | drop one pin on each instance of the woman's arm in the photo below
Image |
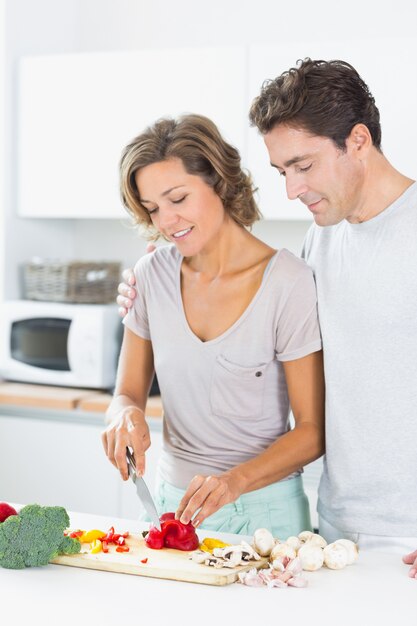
126	415
298	447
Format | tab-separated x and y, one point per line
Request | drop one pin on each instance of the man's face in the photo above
326	179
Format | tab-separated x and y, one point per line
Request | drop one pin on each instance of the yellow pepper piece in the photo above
96	546
209	543
91	535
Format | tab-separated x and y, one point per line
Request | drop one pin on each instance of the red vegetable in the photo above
173	534
122	549
6	511
144	560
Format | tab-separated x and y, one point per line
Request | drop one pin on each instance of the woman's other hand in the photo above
207	494
126	289
128	429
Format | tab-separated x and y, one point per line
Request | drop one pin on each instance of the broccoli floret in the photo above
35	536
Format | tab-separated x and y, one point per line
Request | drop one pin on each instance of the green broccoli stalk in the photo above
35	536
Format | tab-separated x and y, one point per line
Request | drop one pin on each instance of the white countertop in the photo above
375	590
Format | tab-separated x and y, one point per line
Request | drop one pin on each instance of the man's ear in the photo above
359	141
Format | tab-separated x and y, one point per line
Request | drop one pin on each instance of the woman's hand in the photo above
126	290
206	495
128	428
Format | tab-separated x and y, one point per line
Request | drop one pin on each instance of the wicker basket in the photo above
74	281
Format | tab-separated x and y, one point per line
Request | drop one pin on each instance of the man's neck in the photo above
382	186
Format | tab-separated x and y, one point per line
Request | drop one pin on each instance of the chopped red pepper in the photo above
76	533
105	546
121	541
173	534
144	560
122	549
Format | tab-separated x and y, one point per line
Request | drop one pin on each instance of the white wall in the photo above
60	26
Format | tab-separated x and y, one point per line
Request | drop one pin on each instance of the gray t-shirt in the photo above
366	277
225	400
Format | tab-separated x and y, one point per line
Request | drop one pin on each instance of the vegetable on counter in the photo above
35	536
173	534
6	511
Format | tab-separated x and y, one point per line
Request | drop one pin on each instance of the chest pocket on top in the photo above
237	391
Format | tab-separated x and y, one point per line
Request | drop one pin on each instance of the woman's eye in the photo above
179	200
151	211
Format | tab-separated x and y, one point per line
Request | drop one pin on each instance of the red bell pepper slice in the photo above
173	534
122	549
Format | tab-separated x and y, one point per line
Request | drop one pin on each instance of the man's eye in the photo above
281	173
304	169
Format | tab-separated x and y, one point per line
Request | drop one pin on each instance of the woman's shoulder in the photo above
161	259
291	266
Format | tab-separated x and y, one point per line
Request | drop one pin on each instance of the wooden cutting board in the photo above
165	563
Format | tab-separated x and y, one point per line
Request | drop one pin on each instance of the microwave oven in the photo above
55	343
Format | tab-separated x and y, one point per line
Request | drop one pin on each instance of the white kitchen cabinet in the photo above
78	111
60	462
56	463
387	66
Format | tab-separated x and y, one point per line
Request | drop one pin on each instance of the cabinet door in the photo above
56	464
77	112
386	65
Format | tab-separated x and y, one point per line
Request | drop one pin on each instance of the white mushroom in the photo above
335	556
311	557
282	550
305	535
263	541
317	540
294	542
352	549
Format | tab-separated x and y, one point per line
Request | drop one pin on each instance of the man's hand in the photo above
411	559
127	292
206	495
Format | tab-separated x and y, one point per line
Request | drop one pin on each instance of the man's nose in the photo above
295	187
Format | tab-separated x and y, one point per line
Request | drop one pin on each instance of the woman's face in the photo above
182	206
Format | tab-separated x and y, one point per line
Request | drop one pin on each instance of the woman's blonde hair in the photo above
197	141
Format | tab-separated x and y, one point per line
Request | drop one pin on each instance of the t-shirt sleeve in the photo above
298	331
136	319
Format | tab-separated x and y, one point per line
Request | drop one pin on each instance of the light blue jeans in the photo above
281	507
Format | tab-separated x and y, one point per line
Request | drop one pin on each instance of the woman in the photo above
230	326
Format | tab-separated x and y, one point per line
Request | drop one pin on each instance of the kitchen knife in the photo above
142	490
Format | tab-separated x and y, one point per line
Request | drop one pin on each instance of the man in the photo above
321	127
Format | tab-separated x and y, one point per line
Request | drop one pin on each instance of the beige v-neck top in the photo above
225	400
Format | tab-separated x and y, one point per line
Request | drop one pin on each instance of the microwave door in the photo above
41	342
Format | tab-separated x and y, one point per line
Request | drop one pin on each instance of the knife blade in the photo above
142	490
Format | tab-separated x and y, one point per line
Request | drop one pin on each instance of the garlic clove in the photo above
352	549
311	557
335	556
263	541
298	581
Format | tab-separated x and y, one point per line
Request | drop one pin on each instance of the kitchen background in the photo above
79	78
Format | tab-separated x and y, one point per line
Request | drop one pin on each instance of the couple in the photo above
230	325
